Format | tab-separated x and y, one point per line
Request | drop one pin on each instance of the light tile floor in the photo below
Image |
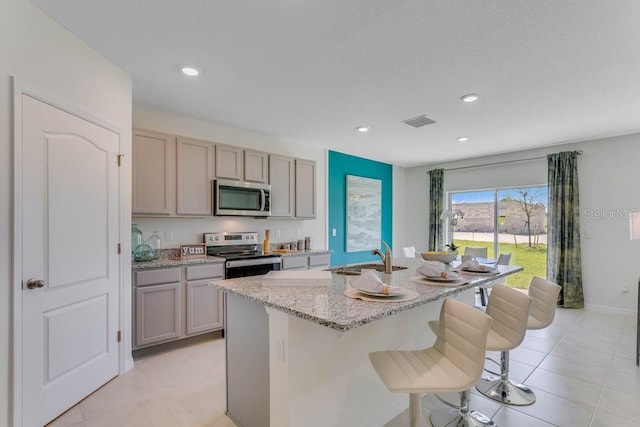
582	369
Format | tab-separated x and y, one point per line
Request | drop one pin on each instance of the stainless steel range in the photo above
243	253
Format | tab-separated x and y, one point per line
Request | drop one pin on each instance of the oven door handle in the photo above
249	262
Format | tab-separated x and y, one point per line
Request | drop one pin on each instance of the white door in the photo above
69	191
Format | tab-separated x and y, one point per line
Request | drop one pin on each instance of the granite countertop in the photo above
294	252
328	306
171	258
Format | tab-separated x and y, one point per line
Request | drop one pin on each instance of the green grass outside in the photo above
534	261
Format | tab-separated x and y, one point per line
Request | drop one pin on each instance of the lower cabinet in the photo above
304	261
174	303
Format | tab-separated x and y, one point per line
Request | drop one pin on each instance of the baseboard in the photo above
610	310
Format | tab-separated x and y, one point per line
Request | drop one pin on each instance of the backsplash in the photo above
177	231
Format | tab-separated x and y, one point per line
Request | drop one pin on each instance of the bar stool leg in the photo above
415	409
460	417
504	391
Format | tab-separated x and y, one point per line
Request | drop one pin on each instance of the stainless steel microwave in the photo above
240	198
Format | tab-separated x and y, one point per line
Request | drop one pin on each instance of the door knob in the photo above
35	283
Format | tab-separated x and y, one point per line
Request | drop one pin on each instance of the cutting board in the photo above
297	278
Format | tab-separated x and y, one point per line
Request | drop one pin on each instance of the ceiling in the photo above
311	71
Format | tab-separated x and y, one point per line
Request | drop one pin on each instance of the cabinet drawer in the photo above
210	271
156	277
294	262
319	260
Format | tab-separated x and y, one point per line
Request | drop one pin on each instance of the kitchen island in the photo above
298	356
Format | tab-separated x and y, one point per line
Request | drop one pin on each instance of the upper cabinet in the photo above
229	162
256	166
152	174
173	176
194	175
282	181
305	188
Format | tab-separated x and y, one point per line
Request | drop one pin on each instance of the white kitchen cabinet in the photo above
295	262
174	303
305	189
194	175
256	166
319	261
306	261
229	162
152	173
204	302
157	306
282	181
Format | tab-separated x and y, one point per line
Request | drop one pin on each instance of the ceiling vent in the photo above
419	121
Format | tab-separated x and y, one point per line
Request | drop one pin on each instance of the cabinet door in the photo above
203	307
305	188
228	162
194	175
319	261
152	173
256	166
282	181
157	314
294	262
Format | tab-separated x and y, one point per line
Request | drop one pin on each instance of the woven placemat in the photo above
408	295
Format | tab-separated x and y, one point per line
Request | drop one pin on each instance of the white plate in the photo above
393	292
450	278
473	270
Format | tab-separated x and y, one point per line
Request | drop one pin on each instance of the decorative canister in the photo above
136	237
156	244
300	245
307	243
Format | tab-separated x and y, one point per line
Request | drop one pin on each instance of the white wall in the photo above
188	230
46	57
609	187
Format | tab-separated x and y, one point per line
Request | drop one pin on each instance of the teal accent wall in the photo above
341	165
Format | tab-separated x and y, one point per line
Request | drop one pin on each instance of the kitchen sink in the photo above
354	270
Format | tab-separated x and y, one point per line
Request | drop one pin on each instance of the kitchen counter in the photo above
170	258
293	252
328	306
299	355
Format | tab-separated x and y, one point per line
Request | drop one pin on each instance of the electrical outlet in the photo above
278	232
168	236
298	232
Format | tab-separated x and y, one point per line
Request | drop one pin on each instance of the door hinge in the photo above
119	248
120	156
119	336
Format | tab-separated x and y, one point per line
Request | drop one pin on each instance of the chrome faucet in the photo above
387	257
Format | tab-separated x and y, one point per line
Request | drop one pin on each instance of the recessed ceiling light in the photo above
470	97
463	138
190	71
362	128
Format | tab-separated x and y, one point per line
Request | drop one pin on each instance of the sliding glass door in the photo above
506	221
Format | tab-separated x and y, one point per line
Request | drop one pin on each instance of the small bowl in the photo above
439	256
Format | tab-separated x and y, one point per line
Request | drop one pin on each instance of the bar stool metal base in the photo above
506	392
451	417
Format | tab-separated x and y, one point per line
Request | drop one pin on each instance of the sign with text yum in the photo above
193	251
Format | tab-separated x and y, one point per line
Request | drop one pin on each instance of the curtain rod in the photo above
499	163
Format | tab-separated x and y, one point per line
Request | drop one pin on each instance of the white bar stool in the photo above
509	311
453	364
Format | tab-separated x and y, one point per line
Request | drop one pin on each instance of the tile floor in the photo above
582	369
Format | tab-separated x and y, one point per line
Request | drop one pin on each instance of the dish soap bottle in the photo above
156	244
265	244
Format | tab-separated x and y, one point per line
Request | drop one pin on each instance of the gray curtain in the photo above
564	264
436	203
